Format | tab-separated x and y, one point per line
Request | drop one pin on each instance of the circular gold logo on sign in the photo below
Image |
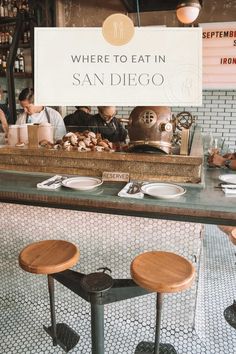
118	29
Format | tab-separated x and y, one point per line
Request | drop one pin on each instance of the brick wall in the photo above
216	116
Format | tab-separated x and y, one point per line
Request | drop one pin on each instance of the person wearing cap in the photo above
78	120
39	114
108	125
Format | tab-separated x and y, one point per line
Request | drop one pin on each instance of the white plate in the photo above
163	190
82	183
228	178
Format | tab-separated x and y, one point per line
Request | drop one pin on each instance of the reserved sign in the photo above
158	66
115	176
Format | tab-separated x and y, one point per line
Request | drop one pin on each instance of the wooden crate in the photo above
148	167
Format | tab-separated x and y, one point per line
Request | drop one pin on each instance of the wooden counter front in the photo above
145	167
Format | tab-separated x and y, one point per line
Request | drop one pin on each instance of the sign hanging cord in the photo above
138	13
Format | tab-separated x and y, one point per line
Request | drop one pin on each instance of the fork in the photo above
55	181
135	187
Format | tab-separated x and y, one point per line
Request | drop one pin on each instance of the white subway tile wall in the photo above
216	116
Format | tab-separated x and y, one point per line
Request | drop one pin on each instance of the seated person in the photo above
79	119
39	114
6	111
3	121
228	160
107	124
230	231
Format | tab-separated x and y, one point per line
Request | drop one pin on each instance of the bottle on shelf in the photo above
10	9
14	8
17	62
23	5
2	36
6	35
6	14
1	69
4	63
10	35
26	34
25	37
1	9
21	62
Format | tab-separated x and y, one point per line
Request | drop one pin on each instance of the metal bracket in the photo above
121	289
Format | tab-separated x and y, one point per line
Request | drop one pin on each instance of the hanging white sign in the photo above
219	55
158	66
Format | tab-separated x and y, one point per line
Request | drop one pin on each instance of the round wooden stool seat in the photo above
162	272
48	257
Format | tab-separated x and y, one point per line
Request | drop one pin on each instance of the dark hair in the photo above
27	94
79	107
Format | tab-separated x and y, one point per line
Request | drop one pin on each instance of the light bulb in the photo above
187	11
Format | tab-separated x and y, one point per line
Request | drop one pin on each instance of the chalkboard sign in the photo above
219	55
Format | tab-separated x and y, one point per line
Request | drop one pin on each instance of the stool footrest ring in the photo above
148	348
66	338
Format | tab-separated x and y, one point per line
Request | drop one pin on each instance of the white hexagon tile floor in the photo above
113	241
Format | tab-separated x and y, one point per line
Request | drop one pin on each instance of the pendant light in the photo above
187	11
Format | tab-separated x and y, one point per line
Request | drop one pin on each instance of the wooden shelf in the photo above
4	46
151	5
7	20
19	75
23	75
24	45
12	20
21	45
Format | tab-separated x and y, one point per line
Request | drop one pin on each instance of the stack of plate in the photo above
82	183
163	190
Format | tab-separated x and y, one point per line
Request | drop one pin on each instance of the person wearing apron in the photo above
39	114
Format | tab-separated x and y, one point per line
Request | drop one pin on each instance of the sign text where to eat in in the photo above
158	66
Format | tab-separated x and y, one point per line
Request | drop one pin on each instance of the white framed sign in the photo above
219	55
159	66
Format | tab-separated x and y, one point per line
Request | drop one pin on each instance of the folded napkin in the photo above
229	191
123	192
51	183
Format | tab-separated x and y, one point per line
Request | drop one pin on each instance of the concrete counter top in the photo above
204	205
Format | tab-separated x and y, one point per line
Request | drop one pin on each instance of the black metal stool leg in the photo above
52	309
61	333
97	328
158	323
157	347
230	314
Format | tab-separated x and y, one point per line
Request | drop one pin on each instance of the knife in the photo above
229	186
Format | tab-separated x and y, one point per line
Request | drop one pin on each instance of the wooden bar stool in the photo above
50	257
162	272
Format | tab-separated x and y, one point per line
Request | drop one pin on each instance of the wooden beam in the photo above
152	5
